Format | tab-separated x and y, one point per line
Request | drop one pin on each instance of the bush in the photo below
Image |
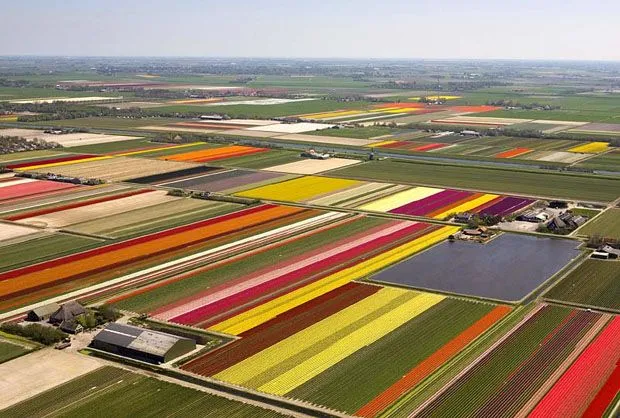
106	313
43	334
88	321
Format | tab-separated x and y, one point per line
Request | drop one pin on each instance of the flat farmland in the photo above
310	166
541	183
114	147
527	370
91	267
348	375
607	225
361	132
67	139
507	268
120	393
9	351
262	160
43	248
109	208
161	299
268	111
155	218
116	168
48	367
606	162
577	115
593	283
105	122
226	180
29	156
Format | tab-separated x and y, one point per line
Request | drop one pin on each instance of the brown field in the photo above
312	166
26	376
99	210
118	168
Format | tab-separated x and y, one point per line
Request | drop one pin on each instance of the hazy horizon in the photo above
392	29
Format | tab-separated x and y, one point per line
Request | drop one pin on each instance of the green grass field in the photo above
104	122
118	146
9	351
43	248
534	183
266	111
15	93
355	381
312	82
606	225
30	155
114	392
593	283
609	162
262	160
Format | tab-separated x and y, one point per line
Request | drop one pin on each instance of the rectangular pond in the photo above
508	267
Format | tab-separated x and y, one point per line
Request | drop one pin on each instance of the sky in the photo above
526	29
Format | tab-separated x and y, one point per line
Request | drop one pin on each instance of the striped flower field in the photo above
214	154
20	286
441	203
23	188
554	363
306	352
423	201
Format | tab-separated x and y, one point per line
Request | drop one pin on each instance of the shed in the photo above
613	253
42	313
464	217
141	344
71	327
67	312
600	255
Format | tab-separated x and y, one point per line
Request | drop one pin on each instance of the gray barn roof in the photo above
46	310
136	338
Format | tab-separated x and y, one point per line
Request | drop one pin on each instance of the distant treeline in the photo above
527	106
451	86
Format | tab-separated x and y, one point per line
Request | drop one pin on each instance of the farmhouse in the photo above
533	216
141	344
67	312
42	313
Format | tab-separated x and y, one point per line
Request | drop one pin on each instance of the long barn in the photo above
141	344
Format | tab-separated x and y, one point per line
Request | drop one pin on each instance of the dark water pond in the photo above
507	268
